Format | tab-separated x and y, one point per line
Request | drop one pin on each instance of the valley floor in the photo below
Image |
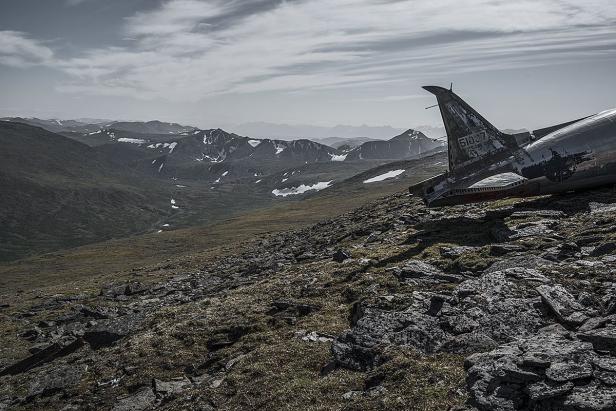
507	305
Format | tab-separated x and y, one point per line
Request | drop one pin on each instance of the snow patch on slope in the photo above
130	140
283	192
385	176
279	148
340	157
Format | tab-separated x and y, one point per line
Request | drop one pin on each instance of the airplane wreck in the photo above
487	164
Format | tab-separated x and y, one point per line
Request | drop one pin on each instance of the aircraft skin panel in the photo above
542	132
498	180
559	155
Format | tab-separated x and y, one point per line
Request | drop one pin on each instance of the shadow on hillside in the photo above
572	202
462	231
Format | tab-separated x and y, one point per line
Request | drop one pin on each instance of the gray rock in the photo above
483	312
313	336
591	397
468	343
602	339
352	394
562	251
168	388
606	377
596	208
123	289
499	306
551	370
543	390
605	363
360	348
596	322
526	274
532	229
107	332
141	400
341	255
54	380
568	371
556	214
520	261
586	299
562	304
417	269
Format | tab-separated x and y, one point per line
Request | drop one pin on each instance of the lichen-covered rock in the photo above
603	339
360	347
482	313
54	380
143	399
552	370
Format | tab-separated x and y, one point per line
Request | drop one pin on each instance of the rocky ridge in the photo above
509	305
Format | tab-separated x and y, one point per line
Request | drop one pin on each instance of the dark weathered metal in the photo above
487	164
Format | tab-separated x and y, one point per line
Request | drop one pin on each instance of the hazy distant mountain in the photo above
88	120
156	127
291	132
343	142
410	144
432	131
55	125
93	125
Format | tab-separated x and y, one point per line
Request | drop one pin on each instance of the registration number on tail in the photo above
477	144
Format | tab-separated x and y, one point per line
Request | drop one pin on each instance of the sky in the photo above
211	63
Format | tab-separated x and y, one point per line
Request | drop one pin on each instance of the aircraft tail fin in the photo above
471	139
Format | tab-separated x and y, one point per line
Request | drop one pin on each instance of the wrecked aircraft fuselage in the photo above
487	164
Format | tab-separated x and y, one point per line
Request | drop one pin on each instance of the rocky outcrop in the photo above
552	370
480	313
523	295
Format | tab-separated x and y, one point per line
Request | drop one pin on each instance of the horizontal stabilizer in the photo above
542	132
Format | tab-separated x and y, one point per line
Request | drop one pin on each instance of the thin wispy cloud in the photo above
75	2
18	50
186	50
389	98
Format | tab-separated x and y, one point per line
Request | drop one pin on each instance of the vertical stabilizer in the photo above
471	138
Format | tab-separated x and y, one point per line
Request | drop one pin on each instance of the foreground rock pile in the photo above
504	306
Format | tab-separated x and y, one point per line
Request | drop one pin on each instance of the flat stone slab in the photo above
562	304
602	339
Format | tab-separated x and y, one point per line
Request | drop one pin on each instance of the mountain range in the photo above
70	183
290	132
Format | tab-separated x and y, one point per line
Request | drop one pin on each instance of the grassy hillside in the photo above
58	193
118	257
